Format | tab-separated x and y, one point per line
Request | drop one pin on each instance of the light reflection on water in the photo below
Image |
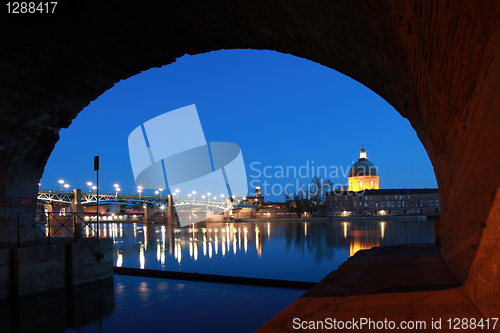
290	250
304	251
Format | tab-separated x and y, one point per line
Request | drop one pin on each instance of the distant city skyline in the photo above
282	111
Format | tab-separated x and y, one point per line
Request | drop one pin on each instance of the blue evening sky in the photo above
281	110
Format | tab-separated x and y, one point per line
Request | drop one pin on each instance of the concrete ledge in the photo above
40	269
90	261
212	278
397	283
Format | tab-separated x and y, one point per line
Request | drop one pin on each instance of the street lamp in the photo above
61	182
117	190
66	186
208	197
89	185
156	192
161	190
140	192
194	192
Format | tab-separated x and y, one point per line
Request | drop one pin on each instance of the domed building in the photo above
363	174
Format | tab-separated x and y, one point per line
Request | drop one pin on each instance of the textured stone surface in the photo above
393	283
92	261
37	269
436	62
40	269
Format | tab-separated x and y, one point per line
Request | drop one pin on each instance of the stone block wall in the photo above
40	269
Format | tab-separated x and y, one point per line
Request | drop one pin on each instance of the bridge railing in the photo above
50	226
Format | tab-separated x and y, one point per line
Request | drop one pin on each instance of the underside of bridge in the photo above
436	62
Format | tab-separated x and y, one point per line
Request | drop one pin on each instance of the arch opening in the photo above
446	87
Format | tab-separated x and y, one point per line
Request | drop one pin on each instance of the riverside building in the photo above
364	198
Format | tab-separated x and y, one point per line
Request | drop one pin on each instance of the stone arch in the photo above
435	62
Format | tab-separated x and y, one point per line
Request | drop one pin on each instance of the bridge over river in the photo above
68	197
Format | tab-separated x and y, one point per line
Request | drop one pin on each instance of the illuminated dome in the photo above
363	167
363	174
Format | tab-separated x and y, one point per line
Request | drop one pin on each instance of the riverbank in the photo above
338	218
402	284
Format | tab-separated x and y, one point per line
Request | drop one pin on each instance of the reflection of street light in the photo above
61	182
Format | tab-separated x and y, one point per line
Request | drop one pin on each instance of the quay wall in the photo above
40	269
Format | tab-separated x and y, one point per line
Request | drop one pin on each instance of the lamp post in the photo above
117	190
89	184
139	189
61	182
194	192
161	190
66	186
156	192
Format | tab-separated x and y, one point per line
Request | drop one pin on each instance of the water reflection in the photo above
269	249
59	310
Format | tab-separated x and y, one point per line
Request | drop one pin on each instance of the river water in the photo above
289	250
304	250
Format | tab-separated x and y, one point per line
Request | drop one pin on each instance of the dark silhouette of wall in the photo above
436	62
